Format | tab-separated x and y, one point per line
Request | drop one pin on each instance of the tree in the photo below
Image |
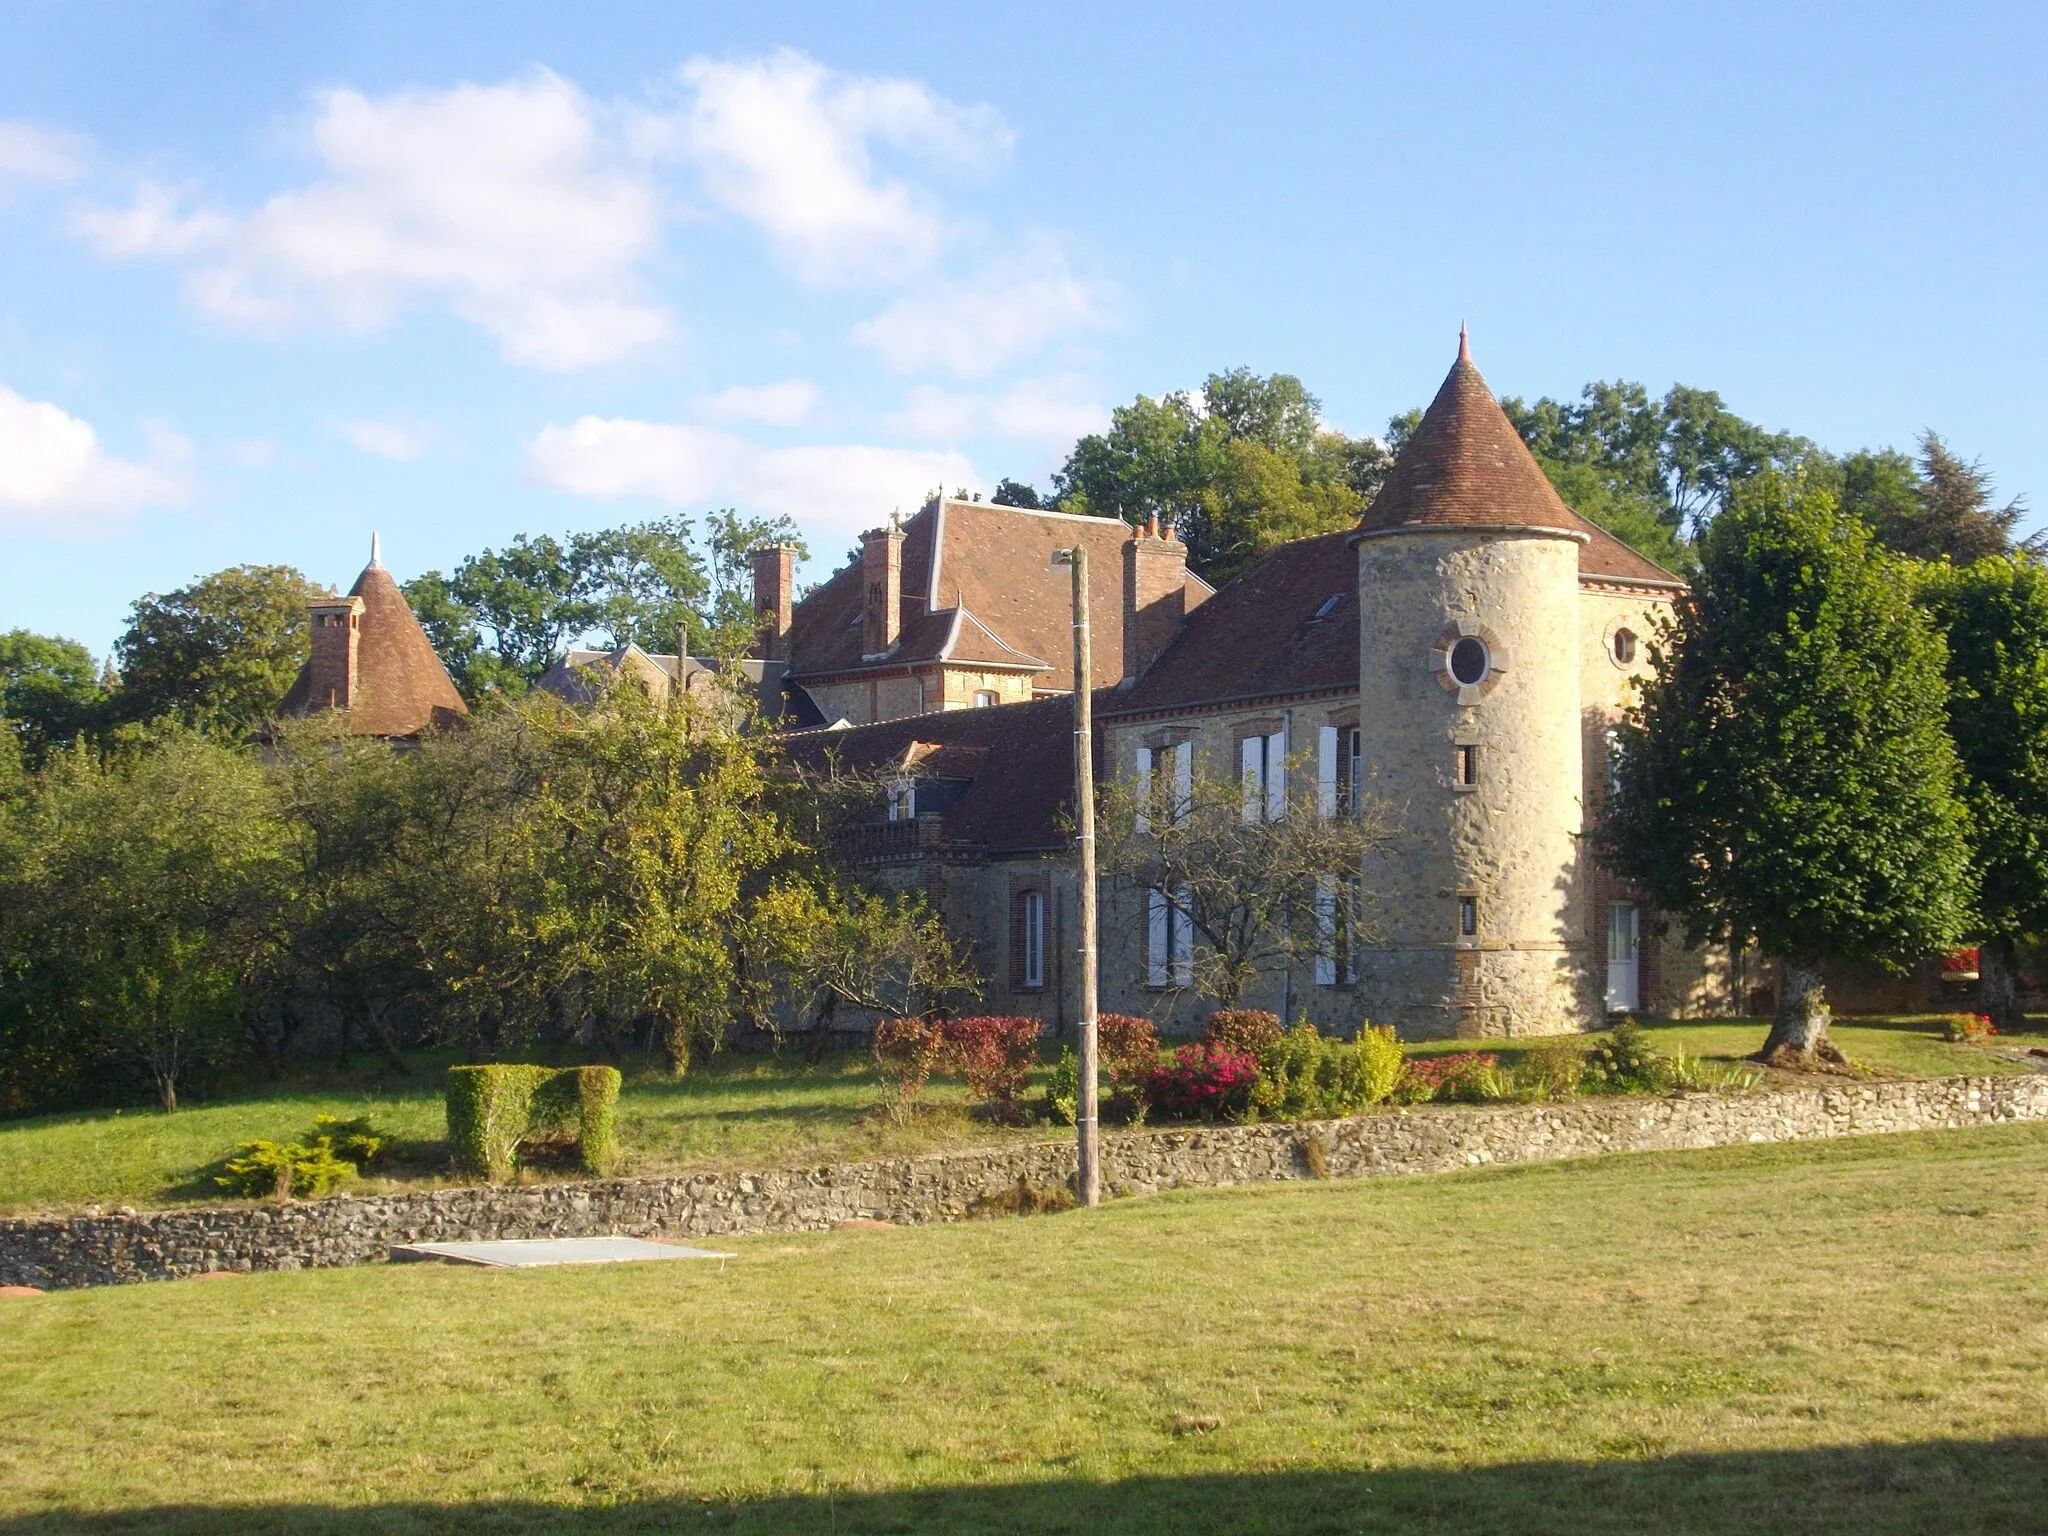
220	653
1016	493
1937	509
1788	774
50	690
1995	616
1257	893
733	540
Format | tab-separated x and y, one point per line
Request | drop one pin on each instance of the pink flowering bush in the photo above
1206	1081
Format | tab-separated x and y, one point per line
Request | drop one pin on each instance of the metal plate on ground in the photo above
538	1252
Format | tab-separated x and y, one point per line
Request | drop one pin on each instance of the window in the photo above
1264	762
1337	754
1468	916
1027	940
1155	766
985	698
1337	906
1610	774
1468	766
1469	662
903	801
1169	939
1624	646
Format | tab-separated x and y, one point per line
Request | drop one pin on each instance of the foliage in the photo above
1456	1077
1959	1027
1063	1088
492	1110
1128	1046
1553	1068
220	653
1380	1060
995	1056
1205	1081
1246	884
1305	1075
332	1152
1016	493
1936	508
908	1049
50	691
1624	1061
1247	1030
1788	773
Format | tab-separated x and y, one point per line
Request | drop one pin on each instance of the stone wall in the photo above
82	1250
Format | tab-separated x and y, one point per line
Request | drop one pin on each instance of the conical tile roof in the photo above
1467	467
401	686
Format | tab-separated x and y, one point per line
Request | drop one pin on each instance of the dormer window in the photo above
903	801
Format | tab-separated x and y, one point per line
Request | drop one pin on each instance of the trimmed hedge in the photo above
491	1110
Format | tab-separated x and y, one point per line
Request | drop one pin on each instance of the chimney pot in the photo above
1155	599
774	598
881	570
336	623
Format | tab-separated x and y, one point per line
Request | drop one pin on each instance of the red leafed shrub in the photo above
907	1050
995	1056
1130	1055
1207	1081
1457	1076
1249	1030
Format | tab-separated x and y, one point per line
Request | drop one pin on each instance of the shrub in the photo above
1129	1047
1458	1077
1625	1062
493	1109
330	1154
1063	1089
1958	1027
1381	1060
1247	1031
1308	1076
906	1052
1206	1081
1551	1069
995	1056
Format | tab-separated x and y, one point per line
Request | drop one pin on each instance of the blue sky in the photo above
277	275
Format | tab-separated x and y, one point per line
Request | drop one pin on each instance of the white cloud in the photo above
385	439
34	156
828	488
55	475
773	405
787	144
1053	411
979	325
504	201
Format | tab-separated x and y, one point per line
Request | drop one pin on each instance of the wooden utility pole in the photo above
1090	1192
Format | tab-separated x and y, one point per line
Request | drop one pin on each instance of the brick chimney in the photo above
774	596
337	635
881	574
1155	594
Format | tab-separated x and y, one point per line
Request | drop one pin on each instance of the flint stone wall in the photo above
66	1251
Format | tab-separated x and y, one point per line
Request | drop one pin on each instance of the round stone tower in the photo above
1468	596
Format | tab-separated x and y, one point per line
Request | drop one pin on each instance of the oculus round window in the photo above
1624	645
1469	662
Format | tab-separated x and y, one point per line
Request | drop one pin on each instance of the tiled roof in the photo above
1018	759
401	686
996	562
1260	634
1467	467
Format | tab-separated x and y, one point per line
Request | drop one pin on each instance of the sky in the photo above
274	276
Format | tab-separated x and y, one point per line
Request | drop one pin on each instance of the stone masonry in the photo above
66	1251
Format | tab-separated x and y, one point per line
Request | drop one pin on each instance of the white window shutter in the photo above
1183	781
1326	931
1183	938
1157	938
1254	759
1144	819
1326	771
1276	775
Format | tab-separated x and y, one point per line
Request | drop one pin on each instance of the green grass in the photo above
1835	1338
732	1111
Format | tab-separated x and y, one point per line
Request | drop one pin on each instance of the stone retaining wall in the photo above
54	1252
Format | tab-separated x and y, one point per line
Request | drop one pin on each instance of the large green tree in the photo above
50	690
220	653
1788	774
1995	615
1936	507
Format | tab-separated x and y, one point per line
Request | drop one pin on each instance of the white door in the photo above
1623	993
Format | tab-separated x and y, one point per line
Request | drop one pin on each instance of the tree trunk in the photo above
1801	1027
2001	988
167	1092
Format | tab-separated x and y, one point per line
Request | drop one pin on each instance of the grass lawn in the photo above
733	1111
1844	1337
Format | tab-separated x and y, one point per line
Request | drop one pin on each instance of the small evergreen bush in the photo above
995	1056
328	1155
1381	1060
492	1109
1247	1031
1625	1062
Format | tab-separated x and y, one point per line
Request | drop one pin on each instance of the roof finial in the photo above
376	551
1464	344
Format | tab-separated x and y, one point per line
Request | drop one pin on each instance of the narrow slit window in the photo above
1468	765
1468	916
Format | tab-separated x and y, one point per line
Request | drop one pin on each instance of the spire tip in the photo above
1464	344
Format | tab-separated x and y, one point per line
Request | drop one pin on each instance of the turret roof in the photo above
401	687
